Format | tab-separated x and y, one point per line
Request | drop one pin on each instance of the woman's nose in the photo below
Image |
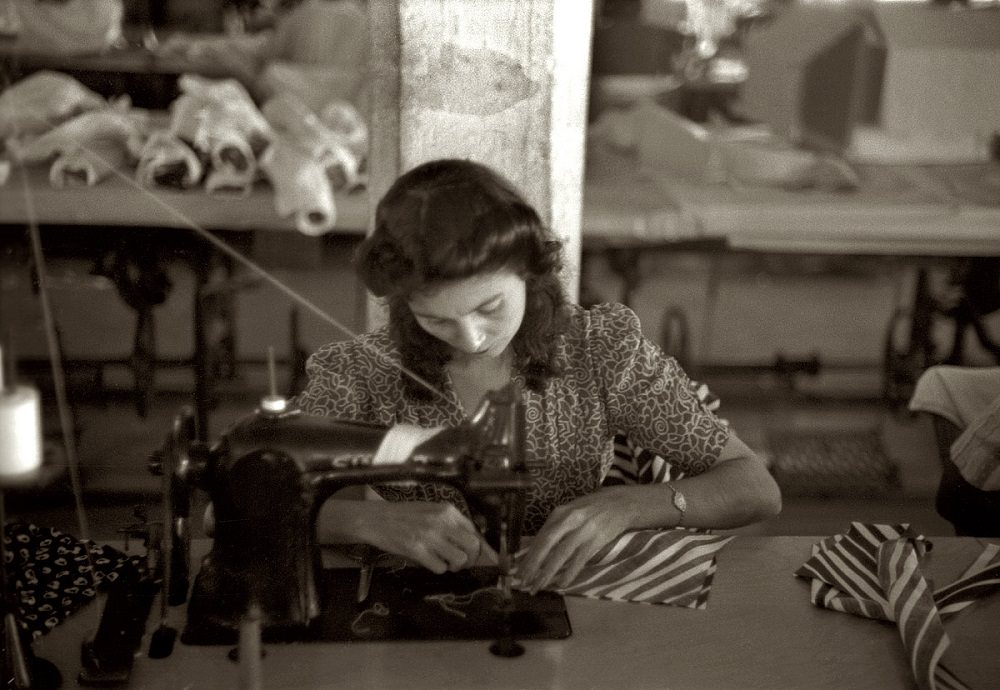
471	336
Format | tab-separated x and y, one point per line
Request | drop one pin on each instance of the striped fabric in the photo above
875	571
673	567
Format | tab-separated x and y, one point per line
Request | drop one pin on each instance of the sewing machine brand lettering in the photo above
345	461
355	460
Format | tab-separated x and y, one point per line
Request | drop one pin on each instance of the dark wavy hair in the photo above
451	219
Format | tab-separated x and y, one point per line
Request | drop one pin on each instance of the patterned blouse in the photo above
614	381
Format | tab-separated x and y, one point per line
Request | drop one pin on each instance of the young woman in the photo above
470	276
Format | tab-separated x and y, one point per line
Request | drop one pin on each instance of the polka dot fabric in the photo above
52	574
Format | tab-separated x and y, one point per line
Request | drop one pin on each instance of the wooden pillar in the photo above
503	82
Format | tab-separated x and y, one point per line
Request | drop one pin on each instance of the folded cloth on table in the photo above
114	124
976	452
52	574
959	394
42	100
874	571
672	567
969	397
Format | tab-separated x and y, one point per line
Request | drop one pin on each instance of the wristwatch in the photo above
680	503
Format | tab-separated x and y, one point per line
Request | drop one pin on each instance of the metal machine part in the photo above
268	476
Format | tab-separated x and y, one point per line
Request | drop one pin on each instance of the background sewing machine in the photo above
267	478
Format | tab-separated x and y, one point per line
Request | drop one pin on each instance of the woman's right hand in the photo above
435	535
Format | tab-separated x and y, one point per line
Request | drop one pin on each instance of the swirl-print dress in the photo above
614	380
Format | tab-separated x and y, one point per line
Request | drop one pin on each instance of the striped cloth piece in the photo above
875	571
673	567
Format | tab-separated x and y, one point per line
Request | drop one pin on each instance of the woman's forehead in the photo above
461	296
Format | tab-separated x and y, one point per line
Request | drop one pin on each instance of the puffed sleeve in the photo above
648	396
350	380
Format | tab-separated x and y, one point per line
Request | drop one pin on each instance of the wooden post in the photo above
503	82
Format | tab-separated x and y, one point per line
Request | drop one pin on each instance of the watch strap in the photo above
680	503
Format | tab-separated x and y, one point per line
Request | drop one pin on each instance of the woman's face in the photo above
477	316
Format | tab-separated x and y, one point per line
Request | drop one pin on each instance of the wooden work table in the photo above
898	210
758	631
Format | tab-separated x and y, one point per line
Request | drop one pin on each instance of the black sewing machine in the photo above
267	478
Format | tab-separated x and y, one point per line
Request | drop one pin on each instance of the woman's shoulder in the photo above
606	320
368	350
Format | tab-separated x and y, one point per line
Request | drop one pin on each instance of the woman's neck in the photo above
472	377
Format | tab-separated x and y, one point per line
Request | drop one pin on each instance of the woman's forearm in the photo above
345	521
733	493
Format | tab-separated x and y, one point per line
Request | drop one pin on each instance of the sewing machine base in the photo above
411	604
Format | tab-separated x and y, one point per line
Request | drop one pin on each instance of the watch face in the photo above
679	501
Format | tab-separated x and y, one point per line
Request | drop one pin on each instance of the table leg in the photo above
202	269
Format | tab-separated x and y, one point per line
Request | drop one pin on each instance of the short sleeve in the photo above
350	380
648	396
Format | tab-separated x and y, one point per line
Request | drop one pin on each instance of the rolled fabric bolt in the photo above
227	100
233	167
299	124
301	187
167	160
20	431
342	117
87	165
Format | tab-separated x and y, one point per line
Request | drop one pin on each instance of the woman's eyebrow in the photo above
475	308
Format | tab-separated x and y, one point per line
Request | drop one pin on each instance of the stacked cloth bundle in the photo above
214	136
875	571
50	117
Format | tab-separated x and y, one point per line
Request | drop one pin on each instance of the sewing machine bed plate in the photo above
415	604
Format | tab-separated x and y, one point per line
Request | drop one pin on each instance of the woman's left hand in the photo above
572	535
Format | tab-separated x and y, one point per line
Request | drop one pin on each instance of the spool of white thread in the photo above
20	431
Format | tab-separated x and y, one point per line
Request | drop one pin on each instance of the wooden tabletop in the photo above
758	631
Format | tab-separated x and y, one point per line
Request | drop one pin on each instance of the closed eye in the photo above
491	307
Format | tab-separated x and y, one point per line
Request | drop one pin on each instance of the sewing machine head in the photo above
270	473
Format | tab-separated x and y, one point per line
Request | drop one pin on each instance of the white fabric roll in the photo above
301	187
87	165
20	431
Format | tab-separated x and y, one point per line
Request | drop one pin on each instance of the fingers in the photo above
440	555
487	555
208	521
554	567
442	539
547	549
437	536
